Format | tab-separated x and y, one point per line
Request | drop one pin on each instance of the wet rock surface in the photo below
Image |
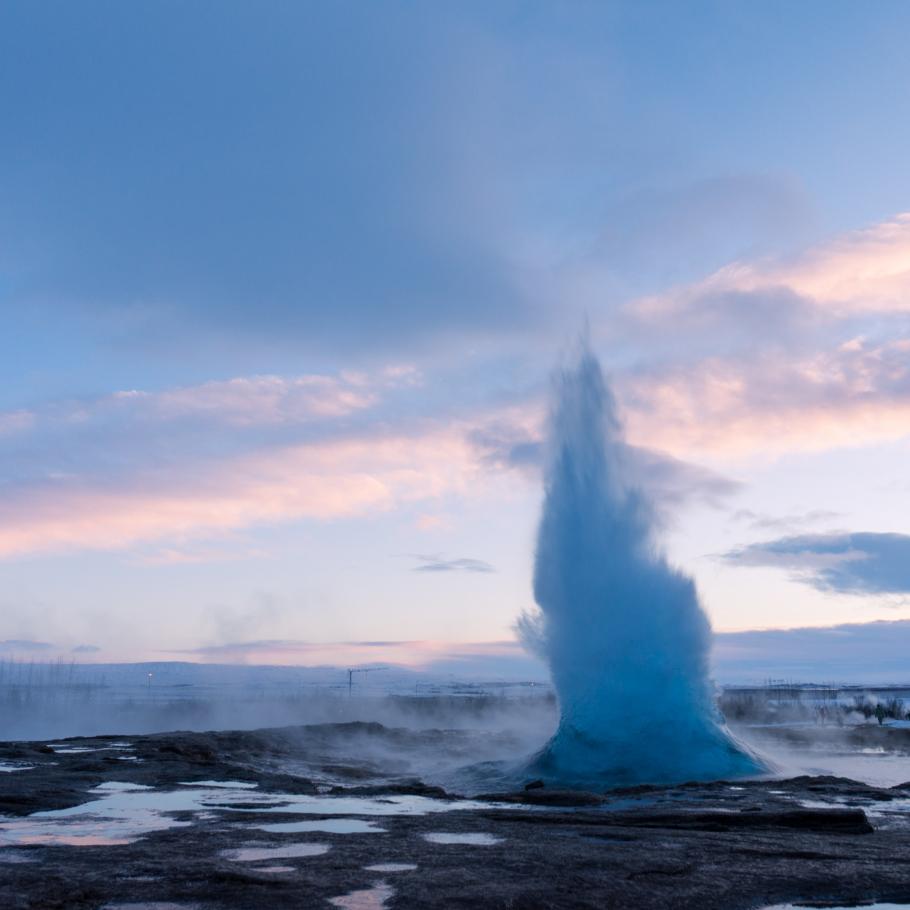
723	845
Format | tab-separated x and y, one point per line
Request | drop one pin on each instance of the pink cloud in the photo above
242	401
770	356
268	399
169	489
237	403
861	271
856	394
317	481
429	522
197	553
16	421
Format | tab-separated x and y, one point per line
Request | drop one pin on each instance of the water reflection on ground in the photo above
324	825
892	813
374	898
121	812
471	839
288	851
838	907
391	867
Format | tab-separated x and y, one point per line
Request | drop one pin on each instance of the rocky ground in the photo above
156	821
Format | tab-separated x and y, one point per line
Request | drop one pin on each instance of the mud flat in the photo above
333	815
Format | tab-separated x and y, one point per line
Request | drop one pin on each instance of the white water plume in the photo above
625	636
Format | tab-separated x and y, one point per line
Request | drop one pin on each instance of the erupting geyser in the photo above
623	631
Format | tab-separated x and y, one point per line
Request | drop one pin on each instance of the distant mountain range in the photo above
859	653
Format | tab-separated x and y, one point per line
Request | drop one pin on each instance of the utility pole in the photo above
353	670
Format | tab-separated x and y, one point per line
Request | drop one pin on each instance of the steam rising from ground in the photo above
623	631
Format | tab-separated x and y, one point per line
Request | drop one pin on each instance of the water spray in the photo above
623	631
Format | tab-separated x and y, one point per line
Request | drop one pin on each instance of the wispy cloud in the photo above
759	521
175	466
218	413
858	563
16	421
414	654
854	394
194	554
16	644
319	481
796	353
855	652
255	400
864	270
183	464
437	563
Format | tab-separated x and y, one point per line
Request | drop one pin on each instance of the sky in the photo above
282	287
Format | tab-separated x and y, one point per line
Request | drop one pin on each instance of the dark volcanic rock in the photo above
825	821
693	847
412	788
192	752
545	797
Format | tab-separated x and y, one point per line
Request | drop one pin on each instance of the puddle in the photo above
361	805
124	800
893	813
821	803
12	856
289	851
247	806
66	749
474	840
391	867
14	766
368	899
119	786
75	834
123	812
840	907
60	749
275	869
326	825
151	905
876	768
221	784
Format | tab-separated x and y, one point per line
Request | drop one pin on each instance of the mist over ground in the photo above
799	726
41	698
42	701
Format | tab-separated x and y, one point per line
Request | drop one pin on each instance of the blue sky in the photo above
282	285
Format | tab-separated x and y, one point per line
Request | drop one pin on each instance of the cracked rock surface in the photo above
318	814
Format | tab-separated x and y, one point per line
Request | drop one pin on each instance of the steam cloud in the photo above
623	631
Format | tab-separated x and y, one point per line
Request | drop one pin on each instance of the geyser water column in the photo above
625	636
